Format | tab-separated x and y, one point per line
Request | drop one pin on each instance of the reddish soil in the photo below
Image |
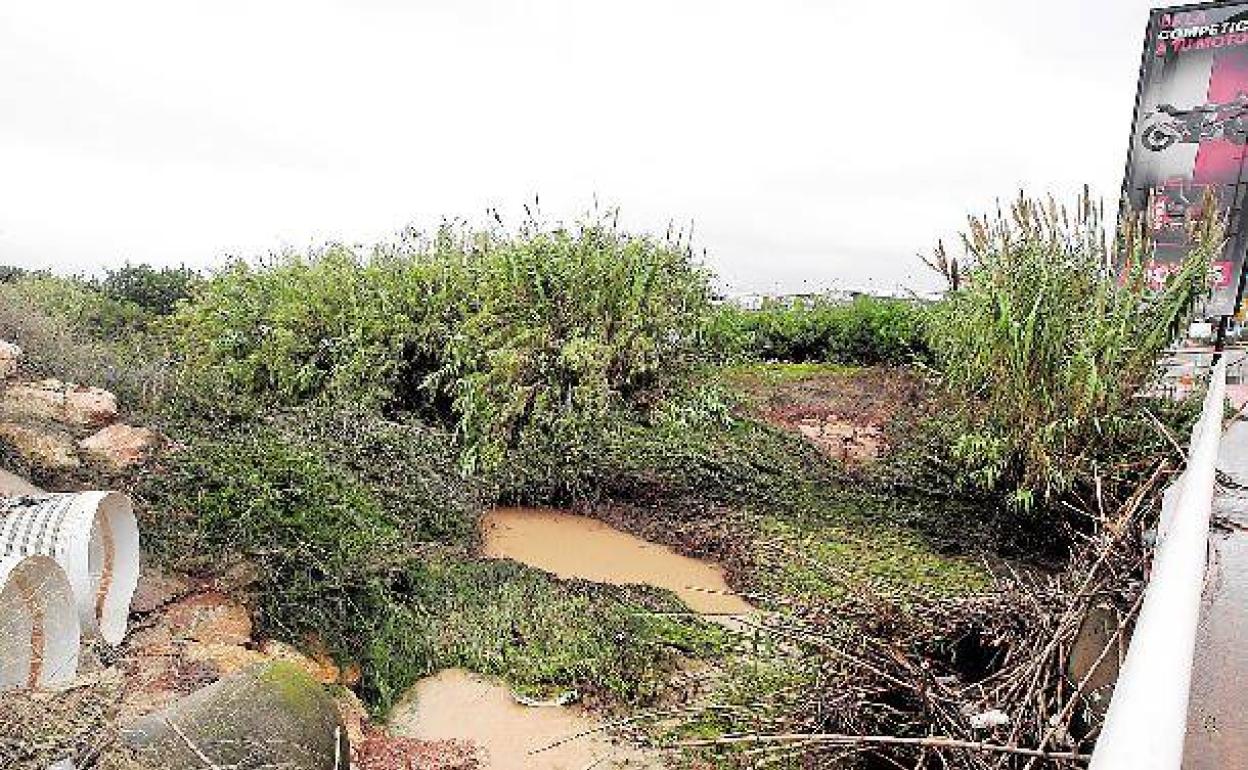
843	411
381	751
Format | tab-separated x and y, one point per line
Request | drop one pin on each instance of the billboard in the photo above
1189	136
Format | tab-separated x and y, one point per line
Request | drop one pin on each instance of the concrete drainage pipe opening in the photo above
95	539
39	633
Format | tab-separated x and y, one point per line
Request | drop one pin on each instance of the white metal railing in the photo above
1147	720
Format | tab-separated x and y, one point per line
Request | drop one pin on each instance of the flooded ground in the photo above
457	705
573	546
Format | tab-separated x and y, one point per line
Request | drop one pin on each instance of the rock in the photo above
351	675
226	659
209	617
160	669
322	670
10	359
270	715
12	485
119	446
42	449
66	403
353	714
89	407
158	588
151	642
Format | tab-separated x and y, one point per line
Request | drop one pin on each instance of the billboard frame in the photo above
1237	240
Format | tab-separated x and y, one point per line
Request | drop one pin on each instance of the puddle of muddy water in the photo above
571	546
457	705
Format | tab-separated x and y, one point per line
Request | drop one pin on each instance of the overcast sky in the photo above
811	144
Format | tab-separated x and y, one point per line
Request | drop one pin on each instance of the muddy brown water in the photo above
457	705
572	546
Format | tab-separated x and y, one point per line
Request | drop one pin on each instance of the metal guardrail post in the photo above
1146	725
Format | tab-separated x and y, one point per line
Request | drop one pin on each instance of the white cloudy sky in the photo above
810	143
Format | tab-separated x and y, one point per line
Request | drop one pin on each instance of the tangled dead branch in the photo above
1010	679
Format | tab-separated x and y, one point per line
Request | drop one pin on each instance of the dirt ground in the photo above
842	410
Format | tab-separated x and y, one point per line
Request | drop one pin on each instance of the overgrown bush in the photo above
1044	349
666	461
10	273
73	332
509	339
866	330
87	309
156	290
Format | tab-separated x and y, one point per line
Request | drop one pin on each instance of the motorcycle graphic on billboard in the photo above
1169	124
1189	138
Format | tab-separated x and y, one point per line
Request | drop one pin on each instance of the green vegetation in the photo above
72	330
341	418
865	331
852	558
358	531
1044	350
517	340
155	290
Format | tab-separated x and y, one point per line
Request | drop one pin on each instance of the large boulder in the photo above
10	359
209	617
44	449
119	446
52	400
269	715
12	485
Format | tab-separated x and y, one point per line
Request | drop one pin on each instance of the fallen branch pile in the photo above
992	682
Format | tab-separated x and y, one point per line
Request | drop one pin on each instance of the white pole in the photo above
1147	720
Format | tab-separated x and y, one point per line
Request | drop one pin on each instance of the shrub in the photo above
865	330
569	326
89	311
509	339
156	290
1045	349
70	331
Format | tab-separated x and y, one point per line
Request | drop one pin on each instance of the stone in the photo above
56	401
157	588
119	446
226	659
209	617
269	715
12	485
322	670
10	359
351	675
353	714
43	449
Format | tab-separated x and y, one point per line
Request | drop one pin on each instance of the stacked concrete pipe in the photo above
39	631
93	536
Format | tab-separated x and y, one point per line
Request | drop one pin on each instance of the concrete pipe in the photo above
39	634
95	539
